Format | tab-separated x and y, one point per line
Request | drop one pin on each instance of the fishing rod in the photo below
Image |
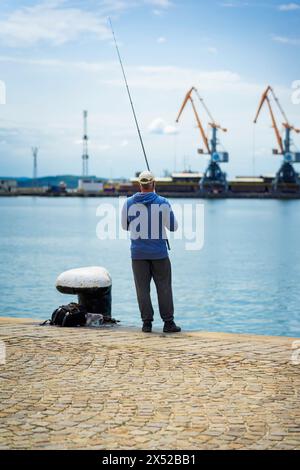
129	96
132	107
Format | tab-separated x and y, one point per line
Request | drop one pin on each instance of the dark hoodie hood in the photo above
145	198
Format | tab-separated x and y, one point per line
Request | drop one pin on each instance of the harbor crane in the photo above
214	178
286	172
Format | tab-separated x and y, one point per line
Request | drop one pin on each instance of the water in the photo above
245	279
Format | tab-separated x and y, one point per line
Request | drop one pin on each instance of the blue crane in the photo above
214	179
286	173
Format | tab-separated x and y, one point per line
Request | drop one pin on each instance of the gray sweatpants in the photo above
160	271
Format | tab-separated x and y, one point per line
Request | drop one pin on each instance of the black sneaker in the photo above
171	327
147	327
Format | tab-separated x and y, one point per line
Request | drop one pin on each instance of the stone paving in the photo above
116	388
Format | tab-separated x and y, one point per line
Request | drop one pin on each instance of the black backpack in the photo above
68	315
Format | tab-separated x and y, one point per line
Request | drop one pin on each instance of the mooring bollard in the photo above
91	284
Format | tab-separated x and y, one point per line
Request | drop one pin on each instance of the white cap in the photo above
146	177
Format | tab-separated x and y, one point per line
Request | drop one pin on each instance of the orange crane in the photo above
286	173
213	175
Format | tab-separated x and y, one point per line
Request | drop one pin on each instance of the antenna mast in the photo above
34	175
85	154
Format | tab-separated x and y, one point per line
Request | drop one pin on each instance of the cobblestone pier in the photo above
116	388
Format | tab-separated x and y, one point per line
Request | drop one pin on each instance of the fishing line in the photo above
253	150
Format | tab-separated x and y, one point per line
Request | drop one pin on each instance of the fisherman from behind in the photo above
147	216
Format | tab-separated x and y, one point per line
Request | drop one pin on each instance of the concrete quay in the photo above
117	388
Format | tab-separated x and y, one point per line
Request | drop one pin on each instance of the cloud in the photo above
160	127
2	92
161	40
124	143
94	145
50	22
212	50
160	3
56	23
176	78
160	6
234	4
110	6
286	40
167	78
103	147
289	7
82	65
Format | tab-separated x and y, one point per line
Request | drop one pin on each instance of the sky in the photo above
57	58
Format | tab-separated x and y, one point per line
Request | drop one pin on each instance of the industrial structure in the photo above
90	185
8	185
85	153
212	183
34	174
214	179
286	177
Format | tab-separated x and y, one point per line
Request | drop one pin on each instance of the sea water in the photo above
244	279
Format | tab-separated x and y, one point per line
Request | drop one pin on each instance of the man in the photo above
146	215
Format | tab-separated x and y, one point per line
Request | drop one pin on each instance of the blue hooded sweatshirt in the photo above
146	216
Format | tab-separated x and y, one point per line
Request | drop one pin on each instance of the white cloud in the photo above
124	143
51	22
170	130
2	92
286	40
54	22
159	126
160	3
83	65
212	50
160	6
161	40
234	4
176	78
103	147
289	7
94	145
167	78
110	6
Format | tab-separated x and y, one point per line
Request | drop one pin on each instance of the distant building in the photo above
8	185
90	185
180	183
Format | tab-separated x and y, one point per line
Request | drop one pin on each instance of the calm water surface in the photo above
245	279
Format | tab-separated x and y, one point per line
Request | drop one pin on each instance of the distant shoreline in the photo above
284	196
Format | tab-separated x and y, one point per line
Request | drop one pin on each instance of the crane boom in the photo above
279	106
262	100
214	179
286	173
274	124
204	105
213	123
205	139
286	124
277	133
187	98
